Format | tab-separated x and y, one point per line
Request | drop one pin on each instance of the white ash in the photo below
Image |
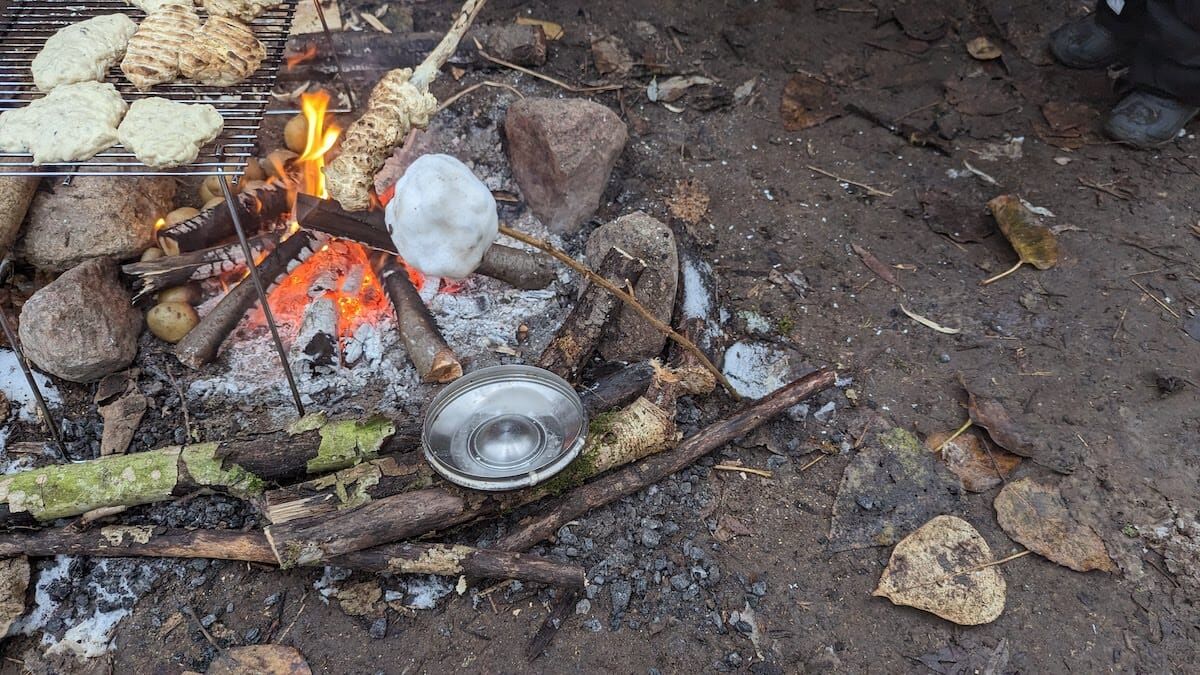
14	386
419	591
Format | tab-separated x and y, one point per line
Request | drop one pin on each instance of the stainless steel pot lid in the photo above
504	427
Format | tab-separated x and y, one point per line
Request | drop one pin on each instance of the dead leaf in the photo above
610	56
360	599
14	580
673	88
689	202
929	323
729	527
943	568
949	214
981	96
921	20
979	467
121	420
1068	124
1035	515
1035	244
991	415
983	49
260	660
875	265
552	30
807	102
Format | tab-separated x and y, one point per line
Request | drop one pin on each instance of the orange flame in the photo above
321	140
296	59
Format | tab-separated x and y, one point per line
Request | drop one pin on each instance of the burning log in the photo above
637	432
434	359
526	270
156	275
317	342
239	466
581	331
200	346
258	210
147	541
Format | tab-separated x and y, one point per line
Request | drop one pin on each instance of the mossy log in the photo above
241	467
149	541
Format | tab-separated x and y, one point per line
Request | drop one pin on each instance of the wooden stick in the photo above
257	209
409	558
241	466
153	276
635	477
868	188
580	332
16	194
201	345
526	270
427	349
625	297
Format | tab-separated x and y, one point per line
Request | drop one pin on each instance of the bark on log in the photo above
258	210
581	330
427	349
200	346
239	466
643	474
16	192
409	558
153	276
526	270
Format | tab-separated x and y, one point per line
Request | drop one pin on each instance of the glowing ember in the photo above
309	53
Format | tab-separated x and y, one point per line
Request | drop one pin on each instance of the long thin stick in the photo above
626	298
868	188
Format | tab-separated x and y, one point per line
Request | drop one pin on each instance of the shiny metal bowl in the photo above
504	427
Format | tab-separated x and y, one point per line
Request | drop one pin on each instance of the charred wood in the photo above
258	210
153	276
427	349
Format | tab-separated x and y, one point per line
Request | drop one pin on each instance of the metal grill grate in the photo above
24	28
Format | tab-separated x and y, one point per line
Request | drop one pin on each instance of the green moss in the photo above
578	471
602	423
786	325
71	489
310	422
206	468
347	443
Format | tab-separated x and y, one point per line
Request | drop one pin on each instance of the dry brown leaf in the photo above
552	30
983	49
610	56
689	203
990	414
876	265
260	660
729	527
807	102
1035	245
945	568
361	599
14	580
1035	515
978	467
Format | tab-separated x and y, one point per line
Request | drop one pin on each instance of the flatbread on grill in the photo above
153	54
223	53
82	52
164	134
242	10
70	124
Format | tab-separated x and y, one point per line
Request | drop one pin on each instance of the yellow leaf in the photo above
1035	245
983	49
552	30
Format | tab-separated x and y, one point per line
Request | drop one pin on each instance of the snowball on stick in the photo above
442	218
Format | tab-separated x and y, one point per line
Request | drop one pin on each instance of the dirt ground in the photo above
1086	360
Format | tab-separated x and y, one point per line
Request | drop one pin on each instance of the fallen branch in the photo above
625	297
526	270
868	188
258	210
398	103
580	332
427	349
153	276
201	345
16	194
410	558
238	466
633	478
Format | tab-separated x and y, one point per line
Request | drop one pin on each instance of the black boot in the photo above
1085	44
1146	120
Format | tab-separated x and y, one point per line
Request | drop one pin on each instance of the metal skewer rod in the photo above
337	60
5	269
259	288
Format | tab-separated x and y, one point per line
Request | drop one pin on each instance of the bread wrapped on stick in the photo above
400	102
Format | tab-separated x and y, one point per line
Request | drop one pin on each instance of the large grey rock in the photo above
562	152
81	326
631	337
94	216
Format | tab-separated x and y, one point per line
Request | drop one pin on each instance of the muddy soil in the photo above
1087	361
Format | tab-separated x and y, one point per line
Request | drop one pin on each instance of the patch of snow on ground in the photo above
14	386
756	369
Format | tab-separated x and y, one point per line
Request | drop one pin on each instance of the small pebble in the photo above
583	606
593	625
379	628
759	588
